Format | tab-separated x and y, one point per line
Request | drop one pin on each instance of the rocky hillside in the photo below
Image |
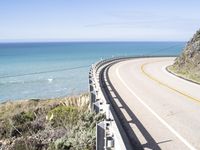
187	65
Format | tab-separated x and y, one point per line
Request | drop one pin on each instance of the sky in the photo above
98	20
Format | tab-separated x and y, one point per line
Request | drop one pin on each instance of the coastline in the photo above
49	68
63	97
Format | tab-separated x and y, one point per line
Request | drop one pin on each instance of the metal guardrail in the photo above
108	134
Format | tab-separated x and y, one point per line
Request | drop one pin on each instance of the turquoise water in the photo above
46	70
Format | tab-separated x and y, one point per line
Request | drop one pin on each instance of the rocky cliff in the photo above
187	64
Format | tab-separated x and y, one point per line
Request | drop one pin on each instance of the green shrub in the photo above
63	116
82	135
23	117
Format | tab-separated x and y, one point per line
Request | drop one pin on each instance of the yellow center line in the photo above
166	85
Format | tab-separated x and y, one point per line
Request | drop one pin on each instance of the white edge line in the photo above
154	113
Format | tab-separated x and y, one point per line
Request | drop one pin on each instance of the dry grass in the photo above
184	73
10	108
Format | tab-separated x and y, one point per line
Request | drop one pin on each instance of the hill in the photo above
187	65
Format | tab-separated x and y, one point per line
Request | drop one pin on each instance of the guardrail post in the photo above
108	112
100	134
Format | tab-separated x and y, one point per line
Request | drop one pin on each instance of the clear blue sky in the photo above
98	20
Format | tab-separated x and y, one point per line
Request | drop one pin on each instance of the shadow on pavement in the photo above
133	139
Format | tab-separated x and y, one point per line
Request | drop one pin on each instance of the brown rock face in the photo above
189	60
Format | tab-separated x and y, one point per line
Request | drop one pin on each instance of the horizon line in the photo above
82	41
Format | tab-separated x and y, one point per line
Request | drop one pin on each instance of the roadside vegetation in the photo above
54	124
185	73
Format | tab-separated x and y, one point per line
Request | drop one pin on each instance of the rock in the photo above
188	63
191	53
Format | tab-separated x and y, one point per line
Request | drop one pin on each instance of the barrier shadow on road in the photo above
150	142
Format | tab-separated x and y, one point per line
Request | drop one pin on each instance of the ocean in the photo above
49	70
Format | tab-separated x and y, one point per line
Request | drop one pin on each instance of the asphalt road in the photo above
161	111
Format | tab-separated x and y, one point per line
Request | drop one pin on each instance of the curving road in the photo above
157	109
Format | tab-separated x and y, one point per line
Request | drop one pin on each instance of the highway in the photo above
157	109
